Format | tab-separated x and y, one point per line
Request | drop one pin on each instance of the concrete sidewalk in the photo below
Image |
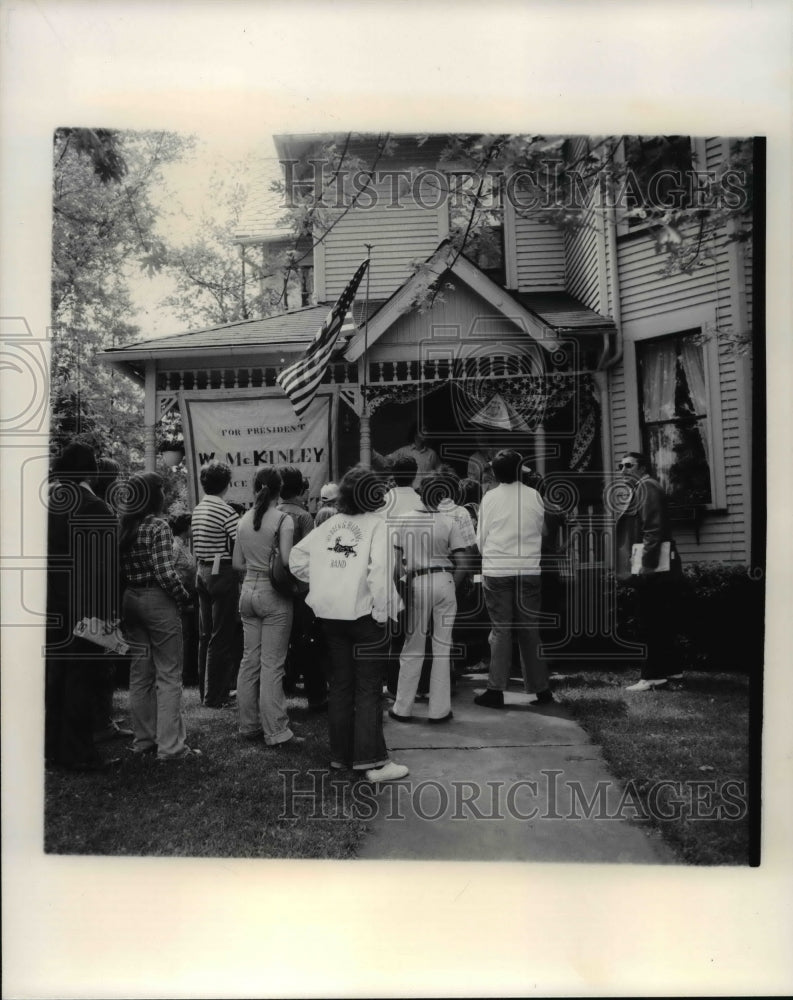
512	784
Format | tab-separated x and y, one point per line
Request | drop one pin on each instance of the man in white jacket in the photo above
348	564
511	520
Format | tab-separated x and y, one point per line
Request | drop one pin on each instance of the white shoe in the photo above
644	685
675	677
388	772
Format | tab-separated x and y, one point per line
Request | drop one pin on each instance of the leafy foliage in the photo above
217	281
103	225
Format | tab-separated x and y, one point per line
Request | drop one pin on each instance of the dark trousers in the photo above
217	602
190	647
308	656
69	707
102	694
355	716
656	597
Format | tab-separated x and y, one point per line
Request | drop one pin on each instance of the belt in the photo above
208	562
430	569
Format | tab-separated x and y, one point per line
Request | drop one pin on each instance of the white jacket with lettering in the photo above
348	564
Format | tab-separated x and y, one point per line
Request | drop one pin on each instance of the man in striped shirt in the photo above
214	531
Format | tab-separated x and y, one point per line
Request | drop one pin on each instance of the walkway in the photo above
512	784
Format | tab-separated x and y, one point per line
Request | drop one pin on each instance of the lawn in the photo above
696	734
230	803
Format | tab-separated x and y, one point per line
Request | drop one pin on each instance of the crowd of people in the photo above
381	587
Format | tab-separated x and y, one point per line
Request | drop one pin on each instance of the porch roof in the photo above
289	332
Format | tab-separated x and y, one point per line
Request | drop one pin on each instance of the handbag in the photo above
101	633
281	578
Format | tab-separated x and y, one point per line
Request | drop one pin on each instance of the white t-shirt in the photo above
348	565
462	519
511	518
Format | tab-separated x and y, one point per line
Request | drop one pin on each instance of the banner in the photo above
251	428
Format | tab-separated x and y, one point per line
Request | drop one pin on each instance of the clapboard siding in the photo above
400	238
683	300
582	263
540	256
645	290
464	324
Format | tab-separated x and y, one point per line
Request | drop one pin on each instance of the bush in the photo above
720	618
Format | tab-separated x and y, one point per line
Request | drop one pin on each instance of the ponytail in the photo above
266	489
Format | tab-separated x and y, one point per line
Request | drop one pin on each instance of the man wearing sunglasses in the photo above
647	557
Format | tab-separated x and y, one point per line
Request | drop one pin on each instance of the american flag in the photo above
301	380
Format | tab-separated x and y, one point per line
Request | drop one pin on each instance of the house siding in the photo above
540	256
670	304
464	324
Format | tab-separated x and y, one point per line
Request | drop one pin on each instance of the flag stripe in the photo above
301	379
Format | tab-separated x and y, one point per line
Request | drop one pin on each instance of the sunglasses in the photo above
626	465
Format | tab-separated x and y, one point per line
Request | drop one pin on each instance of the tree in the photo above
554	180
103	225
217	281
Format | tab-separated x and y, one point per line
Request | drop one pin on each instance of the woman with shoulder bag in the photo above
266	615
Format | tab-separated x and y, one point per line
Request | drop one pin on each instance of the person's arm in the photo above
162	562
237	558
379	574
651	512
460	571
231	529
286	534
300	557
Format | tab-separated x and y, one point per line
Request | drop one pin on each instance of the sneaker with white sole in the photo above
189	753
647	685
388	772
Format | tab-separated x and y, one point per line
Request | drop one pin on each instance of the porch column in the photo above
601	388
150	418
539	449
366	438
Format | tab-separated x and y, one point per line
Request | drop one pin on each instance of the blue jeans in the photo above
513	603
154	628
355	714
266	623
217	604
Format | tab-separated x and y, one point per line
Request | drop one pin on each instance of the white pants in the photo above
431	596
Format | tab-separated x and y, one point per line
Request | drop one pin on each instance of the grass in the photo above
229	803
698	733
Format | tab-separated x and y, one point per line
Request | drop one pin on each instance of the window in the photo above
675	419
659	175
480	213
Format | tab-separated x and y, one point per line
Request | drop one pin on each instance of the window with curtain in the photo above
674	416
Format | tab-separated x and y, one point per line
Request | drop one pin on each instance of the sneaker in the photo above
388	772
490	699
189	753
112	732
444	718
293	741
647	685
399	718
145	752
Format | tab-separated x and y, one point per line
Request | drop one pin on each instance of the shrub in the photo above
719	621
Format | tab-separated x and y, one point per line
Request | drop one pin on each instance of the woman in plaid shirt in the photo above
153	600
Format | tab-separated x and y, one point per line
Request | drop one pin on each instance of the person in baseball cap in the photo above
327	502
